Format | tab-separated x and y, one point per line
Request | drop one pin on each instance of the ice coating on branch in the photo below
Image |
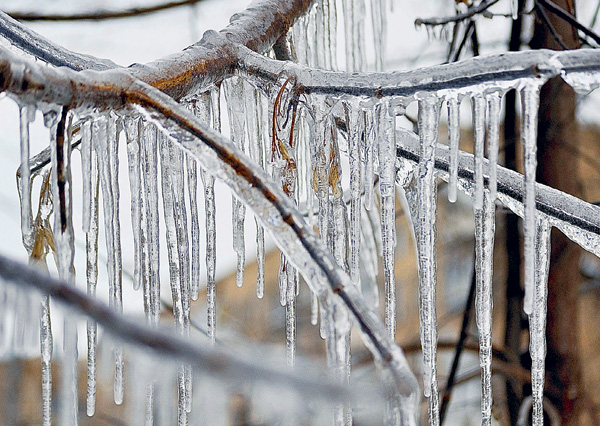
529	102
426	246
484	256
385	137
453	139
537	319
91	243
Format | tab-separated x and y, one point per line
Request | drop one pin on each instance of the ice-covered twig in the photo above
472	11
102	14
214	360
117	89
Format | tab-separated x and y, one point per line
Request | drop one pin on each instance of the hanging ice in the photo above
426	245
537	319
453	137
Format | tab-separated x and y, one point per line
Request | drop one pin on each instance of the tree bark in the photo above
557	167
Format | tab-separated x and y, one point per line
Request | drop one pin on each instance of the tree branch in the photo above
566	16
472	11
100	15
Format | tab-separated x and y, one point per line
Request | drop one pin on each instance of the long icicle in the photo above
479	137
537	320
174	265
25	178
387	171
355	132
60	153
530	105
192	183
91	243
426	244
133	161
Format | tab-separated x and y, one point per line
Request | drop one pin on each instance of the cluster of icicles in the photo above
299	145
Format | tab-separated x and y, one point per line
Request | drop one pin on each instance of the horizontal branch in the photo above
100	15
213	361
490	72
117	89
578	220
472	11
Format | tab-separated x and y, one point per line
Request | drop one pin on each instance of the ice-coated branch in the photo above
576	218
102	14
496	72
472	11
118	89
213	360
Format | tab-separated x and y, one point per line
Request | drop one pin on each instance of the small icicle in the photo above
537	320
479	137
355	131
192	178
426	245
86	150
91	244
314	308
387	173
25	178
530	103
484	254
209	199
454	138
46	355
514	9
290	314
133	159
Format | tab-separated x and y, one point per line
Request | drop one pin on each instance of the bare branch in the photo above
100	15
566	16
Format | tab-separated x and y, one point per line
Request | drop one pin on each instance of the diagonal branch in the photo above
472	11
100	15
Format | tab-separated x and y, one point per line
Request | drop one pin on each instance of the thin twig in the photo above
480	8
566	16
100	15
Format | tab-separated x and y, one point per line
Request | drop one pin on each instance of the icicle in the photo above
92	274
453	137
478	136
314	308
355	133
369	258
353	29
514	9
494	103
254	129
25	178
169	200
530	102
379	32
537	320
46	350
209	200
484	235
426	245
234	94
86	150
60	154
106	142
387	172
150	236
290	314
133	159
370	152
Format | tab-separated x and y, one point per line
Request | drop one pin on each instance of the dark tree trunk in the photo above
557	167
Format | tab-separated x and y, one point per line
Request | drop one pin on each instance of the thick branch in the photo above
213	360
100	15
